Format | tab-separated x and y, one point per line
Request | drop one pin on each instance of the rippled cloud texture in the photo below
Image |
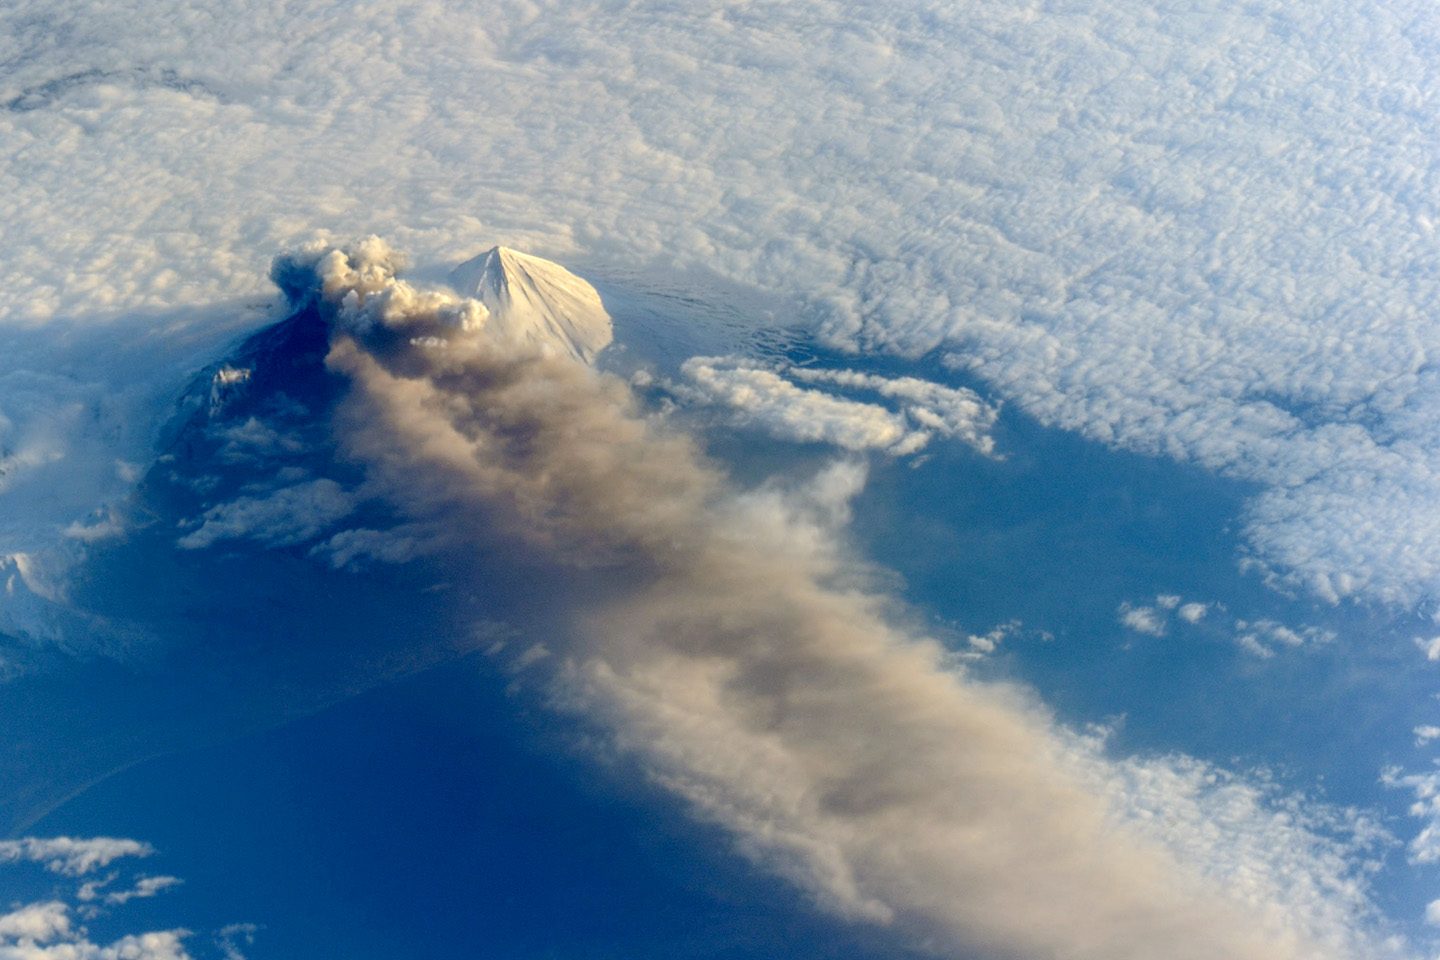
1200	231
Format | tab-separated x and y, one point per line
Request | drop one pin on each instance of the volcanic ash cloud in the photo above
746	665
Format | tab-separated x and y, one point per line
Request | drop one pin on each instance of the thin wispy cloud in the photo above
70	855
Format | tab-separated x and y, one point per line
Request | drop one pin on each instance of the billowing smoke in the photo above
740	656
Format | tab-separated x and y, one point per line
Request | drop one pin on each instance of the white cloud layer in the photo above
1199	231
751	669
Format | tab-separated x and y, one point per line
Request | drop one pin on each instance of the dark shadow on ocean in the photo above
437	817
220	641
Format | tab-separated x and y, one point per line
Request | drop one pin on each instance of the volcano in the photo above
533	301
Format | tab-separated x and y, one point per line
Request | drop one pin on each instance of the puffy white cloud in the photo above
1154	620
948	411
1257	637
1192	612
70	855
988	643
1425	733
769	398
750	667
1424	846
156	945
763	397
39	922
1253	636
1147	620
1431	647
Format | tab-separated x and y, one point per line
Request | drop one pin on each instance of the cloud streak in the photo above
71	856
743	659
770	399
286	516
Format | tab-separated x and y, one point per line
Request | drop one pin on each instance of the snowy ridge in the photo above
534	301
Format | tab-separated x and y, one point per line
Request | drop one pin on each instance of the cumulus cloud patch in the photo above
770	399
1153	619
1192	612
36	922
1146	620
953	412
1261	637
987	643
47	930
747	663
43	931
1424	847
